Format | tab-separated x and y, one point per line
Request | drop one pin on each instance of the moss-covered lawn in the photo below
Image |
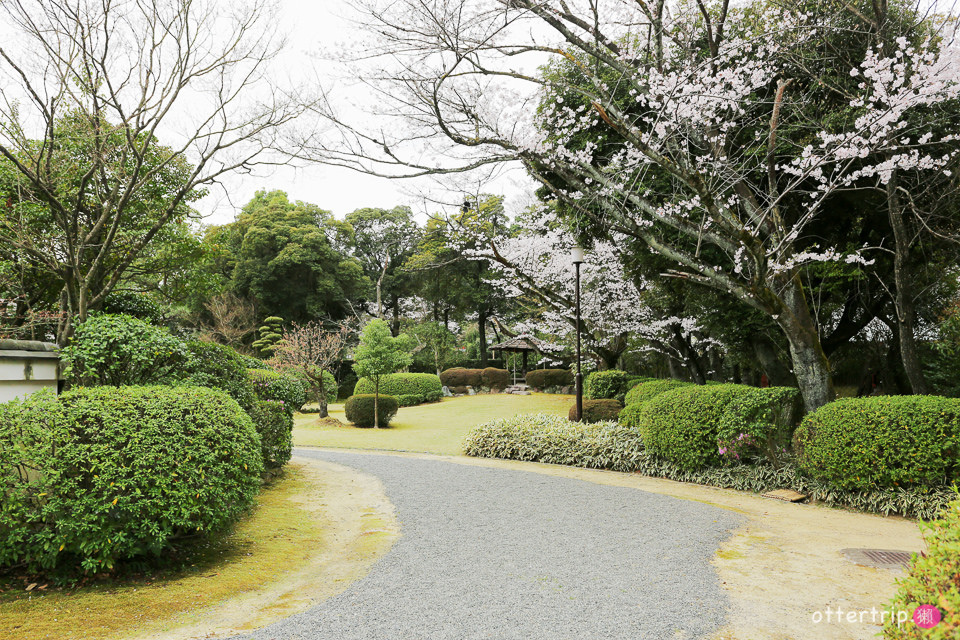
438	427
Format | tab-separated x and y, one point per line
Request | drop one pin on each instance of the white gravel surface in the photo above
503	554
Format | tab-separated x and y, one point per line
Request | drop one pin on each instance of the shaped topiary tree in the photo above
379	354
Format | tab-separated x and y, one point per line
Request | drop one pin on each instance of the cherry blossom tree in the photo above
312	349
685	126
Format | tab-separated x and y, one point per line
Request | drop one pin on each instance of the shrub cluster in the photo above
104	474
681	426
425	386
606	384
651	389
460	377
882	441
119	350
495	379
597	410
274	423
219	367
360	409
555	440
932	580
760	422
278	387
542	379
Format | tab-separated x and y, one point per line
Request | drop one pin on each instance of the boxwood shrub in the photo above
760	423
274	423
359	409
541	379
630	415
425	385
555	440
495	379
882	441
651	389
119	350
933	579
460	377
681	425
606	384
409	400
219	367
279	387
104	474
605	409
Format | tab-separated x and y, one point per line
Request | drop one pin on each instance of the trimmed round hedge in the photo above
761	422
426	386
651	389
541	379
602	410
121	472
495	379
274	423
278	387
359	409
630	415
219	367
606	384
460	377
882	441
681	425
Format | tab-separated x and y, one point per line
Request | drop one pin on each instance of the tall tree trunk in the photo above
765	351
482	327
810	364
376	402
322	400
906	313
395	325
690	358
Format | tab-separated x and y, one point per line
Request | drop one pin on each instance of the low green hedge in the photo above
427	386
278	387
556	440
409	400
610	384
681	426
274	423
217	366
651	389
460	377
882	441
541	379
603	410
760	422
630	415
495	379
933	579
360	409
104	474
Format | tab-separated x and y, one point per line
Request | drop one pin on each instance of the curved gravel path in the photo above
496	553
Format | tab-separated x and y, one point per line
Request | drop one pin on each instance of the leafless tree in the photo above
89	88
312	349
233	319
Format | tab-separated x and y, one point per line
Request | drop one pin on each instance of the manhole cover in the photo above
879	558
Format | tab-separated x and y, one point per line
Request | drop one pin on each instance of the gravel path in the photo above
496	553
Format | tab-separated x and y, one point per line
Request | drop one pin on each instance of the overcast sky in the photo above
312	24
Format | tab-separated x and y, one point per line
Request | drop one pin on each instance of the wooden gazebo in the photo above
520	344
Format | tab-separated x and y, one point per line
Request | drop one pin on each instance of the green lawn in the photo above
431	428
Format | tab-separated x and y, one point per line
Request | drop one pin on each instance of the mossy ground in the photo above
438	427
277	536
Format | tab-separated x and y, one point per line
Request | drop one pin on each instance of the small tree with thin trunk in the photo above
312	349
379	354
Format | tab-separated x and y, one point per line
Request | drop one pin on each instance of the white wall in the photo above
27	369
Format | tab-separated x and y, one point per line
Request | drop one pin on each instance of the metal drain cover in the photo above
879	558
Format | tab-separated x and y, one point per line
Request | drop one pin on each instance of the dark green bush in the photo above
409	400
760	422
681	425
541	379
274	422
348	382
218	367
359	410
630	415
651	389
425	385
330	389
606	384
633	381
118	350
602	410
460	377
933	579
279	387
131	303
108	473
495	379
882	441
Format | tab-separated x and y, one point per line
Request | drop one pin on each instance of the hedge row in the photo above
543	379
416	388
597	410
612	384
106	473
489	378
646	390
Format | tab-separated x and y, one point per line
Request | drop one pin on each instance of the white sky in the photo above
319	23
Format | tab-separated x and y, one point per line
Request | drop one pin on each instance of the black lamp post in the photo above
577	257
